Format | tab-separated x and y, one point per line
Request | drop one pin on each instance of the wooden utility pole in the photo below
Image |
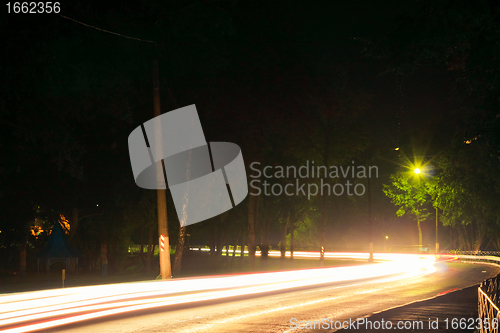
22	262
165	267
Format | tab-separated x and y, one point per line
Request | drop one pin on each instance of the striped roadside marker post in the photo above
162	243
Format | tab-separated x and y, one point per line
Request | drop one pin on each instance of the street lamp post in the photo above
370	221
417	171
437	243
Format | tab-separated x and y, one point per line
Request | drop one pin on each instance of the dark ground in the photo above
455	304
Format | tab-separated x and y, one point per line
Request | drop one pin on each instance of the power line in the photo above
109	32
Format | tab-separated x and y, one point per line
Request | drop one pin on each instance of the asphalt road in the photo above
274	312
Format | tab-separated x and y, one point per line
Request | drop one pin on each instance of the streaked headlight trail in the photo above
30	311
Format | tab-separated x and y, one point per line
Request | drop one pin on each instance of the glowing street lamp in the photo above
417	171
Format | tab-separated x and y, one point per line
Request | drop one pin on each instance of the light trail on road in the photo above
24	312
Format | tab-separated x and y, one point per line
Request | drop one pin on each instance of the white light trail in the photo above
24	312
